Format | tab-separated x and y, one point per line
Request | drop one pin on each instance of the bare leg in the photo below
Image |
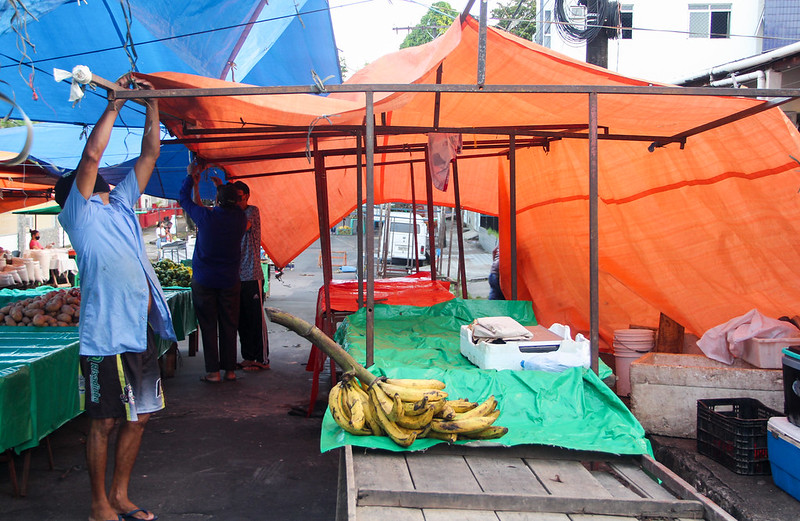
128	443
96	460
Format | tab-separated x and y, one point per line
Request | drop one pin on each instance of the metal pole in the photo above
414	219
594	285
462	269
360	219
431	236
512	158
482	44
324	235
370	247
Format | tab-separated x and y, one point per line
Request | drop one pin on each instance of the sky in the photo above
365	29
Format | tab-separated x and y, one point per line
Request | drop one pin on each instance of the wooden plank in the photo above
567	478
640	481
593	517
346	490
381	471
670	336
520	503
531	516
506	475
682	489
389	514
441	473
613	485
446	514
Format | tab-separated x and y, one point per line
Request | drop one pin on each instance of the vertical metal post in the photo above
370	247
360	219
462	268
437	99
414	218
482	44
431	236
512	202
594	263
321	179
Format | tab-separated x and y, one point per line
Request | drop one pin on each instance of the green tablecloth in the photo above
184	320
573	409
8	296
38	384
39	370
179	301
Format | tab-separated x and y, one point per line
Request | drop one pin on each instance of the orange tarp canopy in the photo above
22	185
701	233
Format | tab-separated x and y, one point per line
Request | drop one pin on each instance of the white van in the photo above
398	241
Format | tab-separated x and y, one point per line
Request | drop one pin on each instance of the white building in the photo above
662	41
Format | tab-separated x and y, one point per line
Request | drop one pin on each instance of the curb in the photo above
697	474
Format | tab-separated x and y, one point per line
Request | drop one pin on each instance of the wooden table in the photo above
414	290
526	482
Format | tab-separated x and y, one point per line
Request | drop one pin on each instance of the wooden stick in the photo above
322	341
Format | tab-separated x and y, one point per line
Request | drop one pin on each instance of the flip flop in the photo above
131	516
208	380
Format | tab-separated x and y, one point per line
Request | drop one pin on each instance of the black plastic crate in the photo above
733	432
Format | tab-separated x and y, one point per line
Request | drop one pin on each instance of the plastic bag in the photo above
571	353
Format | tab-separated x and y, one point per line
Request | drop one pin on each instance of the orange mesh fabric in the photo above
703	233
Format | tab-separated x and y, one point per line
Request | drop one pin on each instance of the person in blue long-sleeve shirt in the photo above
215	274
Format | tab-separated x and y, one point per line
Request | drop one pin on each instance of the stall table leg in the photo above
194	343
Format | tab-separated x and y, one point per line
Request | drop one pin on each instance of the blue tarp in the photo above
287	41
58	147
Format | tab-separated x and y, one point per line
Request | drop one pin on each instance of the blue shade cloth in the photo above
573	409
289	39
58	148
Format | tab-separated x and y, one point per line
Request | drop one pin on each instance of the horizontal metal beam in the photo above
346	130
457	88
681	138
386	149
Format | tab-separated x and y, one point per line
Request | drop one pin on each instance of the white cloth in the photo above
724	342
505	328
80	75
442	149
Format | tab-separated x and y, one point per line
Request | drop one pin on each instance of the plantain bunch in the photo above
406	409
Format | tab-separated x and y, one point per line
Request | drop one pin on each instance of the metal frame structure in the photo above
517	137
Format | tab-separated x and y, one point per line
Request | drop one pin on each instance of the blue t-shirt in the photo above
116	276
217	250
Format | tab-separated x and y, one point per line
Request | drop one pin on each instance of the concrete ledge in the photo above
665	389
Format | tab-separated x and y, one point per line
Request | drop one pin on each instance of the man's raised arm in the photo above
86	173
151	140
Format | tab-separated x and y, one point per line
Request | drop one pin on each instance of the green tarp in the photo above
38	384
573	409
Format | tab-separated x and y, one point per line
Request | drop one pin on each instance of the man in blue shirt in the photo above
123	308
215	273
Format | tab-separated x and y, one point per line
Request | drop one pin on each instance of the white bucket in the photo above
630	345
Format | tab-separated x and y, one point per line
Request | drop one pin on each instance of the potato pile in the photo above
61	308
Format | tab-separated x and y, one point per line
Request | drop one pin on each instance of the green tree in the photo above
435	22
517	17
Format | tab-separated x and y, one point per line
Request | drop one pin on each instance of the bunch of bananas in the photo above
406	409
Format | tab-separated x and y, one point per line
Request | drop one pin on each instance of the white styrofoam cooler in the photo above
509	354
